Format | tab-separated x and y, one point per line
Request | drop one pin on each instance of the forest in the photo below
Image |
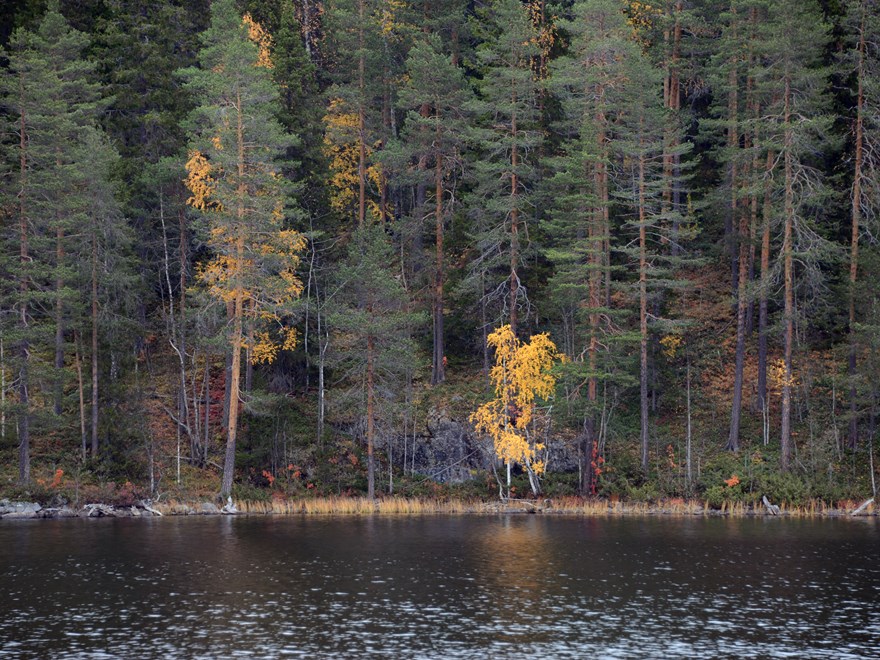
440	248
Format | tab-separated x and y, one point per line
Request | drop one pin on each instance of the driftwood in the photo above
97	510
229	507
147	507
772	509
864	505
530	506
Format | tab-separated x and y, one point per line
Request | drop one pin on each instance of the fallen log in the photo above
864	505
147	507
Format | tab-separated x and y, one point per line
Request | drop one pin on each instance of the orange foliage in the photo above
258	35
521	375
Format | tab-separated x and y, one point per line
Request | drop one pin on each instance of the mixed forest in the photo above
445	248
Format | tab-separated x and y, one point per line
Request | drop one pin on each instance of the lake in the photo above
466	586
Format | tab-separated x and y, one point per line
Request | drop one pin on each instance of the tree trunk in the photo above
514	226
227	370
854	241
238	316
643	315
741	308
59	321
788	312
763	402
362	137
438	371
82	398
484	327
249	350
232	425
371	464
95	342
24	414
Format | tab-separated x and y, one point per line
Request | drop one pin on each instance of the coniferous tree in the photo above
354	118
796	35
505	140
591	80
140	47
234	175
432	141
55	103
862	60
372	347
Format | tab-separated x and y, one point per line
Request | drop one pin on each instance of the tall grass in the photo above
354	506
569	505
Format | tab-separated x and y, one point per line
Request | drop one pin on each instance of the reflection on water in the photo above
439	586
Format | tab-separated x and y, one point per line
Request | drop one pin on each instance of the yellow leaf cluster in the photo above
258	35
199	181
778	377
342	148
670	344
546	34
264	349
388	18
642	16
521	375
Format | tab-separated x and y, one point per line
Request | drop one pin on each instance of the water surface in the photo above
467	586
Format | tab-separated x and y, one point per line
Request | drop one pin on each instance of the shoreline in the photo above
329	506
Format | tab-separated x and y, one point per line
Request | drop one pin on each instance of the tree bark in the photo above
59	321
24	414
854	241
788	312
94	342
643	315
514	224
362	137
371	464
238	315
438	371
83	435
767	210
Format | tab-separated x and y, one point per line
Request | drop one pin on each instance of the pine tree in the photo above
372	346
861	61
591	80
140	47
505	140
436	96
235	178
51	92
355	117
792	64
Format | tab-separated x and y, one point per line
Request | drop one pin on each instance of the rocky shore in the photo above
31	510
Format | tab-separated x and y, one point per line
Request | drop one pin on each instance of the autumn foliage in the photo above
521	376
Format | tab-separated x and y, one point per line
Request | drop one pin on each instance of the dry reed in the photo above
567	505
